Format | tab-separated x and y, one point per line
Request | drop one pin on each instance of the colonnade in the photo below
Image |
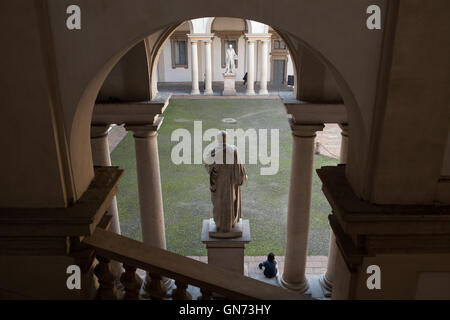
299	207
206	39
149	188
299	200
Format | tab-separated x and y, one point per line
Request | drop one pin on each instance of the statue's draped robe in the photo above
230	56
225	182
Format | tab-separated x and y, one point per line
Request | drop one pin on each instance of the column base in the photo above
250	92
208	93
300	287
326	284
263	92
195	92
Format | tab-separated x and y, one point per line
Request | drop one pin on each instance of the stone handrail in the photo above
157	262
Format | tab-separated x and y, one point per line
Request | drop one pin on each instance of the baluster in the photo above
131	282
206	295
107	289
180	293
154	288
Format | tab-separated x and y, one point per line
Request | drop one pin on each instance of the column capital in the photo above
344	128
205	37
304	130
99	131
145	130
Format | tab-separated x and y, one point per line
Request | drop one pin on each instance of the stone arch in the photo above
209	24
191	26
249	26
81	113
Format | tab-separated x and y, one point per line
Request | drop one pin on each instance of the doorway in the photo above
279	72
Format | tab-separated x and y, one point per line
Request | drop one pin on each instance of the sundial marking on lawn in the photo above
229	120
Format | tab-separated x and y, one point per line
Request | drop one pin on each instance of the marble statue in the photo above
229	60
227	174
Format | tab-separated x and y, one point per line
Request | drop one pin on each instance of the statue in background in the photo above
230	56
227	174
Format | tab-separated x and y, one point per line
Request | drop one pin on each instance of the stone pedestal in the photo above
229	81
226	253
236	232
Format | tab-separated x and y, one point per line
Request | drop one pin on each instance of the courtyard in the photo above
185	187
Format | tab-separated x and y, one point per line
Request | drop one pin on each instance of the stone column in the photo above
101	157
194	67
344	143
326	280
208	67
299	205
264	66
251	67
149	185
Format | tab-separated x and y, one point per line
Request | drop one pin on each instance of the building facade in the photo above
270	59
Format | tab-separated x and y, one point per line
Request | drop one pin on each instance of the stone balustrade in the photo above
161	263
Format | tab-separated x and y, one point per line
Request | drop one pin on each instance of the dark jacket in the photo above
270	269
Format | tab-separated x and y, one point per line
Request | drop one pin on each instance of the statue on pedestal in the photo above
227	174
230	56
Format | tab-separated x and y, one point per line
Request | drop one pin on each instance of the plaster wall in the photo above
129	79
412	125
28	278
403	276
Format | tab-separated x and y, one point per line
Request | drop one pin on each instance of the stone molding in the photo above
100	131
205	37
130	113
147	130
366	229
48	231
304	130
257	37
311	113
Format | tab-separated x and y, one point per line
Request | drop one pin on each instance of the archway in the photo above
157	52
79	125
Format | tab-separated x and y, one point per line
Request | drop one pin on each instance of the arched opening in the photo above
165	50
78	132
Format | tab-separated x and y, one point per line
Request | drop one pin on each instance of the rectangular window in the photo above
279	44
180	53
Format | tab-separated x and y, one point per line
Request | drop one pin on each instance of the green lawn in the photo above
186	187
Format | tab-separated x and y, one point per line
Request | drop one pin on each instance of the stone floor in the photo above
315	267
184	89
329	140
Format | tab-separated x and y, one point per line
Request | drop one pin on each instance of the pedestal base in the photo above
229	88
236	232
326	285
301	287
226	253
